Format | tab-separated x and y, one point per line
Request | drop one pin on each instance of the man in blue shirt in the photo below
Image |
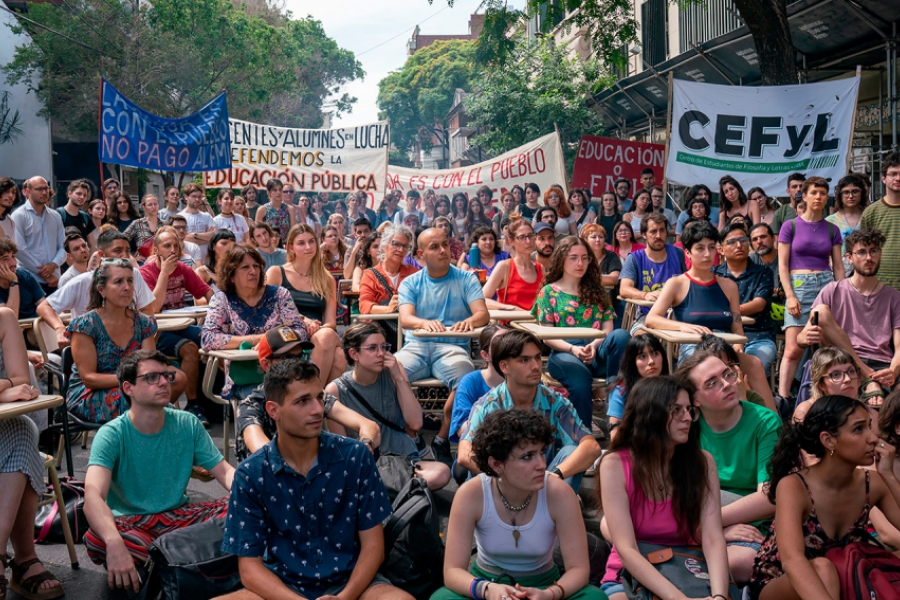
755	285
39	233
19	289
306	510
439	298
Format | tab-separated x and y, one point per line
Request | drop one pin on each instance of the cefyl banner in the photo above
760	135
540	162
131	136
600	161
313	160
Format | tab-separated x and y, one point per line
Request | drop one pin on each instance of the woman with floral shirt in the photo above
574	297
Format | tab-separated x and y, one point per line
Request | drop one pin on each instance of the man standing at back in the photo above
646	271
200	225
885	217
73	215
40	234
788	210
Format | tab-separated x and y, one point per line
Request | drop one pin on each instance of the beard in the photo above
871	272
765	250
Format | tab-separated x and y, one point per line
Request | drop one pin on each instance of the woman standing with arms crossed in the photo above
806	244
314	294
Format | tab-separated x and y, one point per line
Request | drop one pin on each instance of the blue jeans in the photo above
573	480
764	349
170	342
446	362
577	377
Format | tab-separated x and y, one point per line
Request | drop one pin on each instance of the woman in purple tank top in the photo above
658	486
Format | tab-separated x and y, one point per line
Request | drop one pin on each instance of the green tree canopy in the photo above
418	97
537	88
171	57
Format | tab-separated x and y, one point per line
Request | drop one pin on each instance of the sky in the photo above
366	27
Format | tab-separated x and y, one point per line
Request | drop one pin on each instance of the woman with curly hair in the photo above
735	202
825	506
573	296
514	497
489	248
658	486
515	281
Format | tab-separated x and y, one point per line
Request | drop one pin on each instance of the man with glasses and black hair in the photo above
378	389
755	285
861	315
741	437
140	466
254	425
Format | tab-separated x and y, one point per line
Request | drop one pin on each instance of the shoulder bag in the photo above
684	566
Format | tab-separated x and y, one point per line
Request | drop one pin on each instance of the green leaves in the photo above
173	56
418	96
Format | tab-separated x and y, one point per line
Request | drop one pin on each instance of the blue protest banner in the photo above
131	136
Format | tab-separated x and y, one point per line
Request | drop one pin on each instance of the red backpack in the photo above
866	572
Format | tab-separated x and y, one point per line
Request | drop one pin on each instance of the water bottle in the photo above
474	257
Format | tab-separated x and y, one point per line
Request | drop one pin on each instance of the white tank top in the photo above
496	544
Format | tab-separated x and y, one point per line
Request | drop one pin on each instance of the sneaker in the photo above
195	409
421	448
441	451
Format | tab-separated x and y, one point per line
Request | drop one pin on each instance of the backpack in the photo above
414	551
866	572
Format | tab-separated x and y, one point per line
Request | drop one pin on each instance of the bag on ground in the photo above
47	521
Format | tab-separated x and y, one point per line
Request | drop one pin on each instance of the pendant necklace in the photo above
510	509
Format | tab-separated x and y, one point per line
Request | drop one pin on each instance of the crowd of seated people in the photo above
780	392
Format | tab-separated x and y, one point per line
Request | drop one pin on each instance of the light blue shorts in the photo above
806	287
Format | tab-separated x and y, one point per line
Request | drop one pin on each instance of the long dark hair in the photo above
454	211
363	258
628	371
723	201
218	236
590	290
644	432
828	413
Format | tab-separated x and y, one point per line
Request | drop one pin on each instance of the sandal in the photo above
4	559
31	588
868	396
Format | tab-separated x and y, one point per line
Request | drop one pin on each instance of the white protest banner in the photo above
313	160
540	162
759	135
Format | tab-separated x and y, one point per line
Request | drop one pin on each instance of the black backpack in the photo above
413	549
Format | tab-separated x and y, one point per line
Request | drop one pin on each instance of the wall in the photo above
32	153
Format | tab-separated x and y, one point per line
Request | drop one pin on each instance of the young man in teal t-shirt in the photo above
139	469
741	437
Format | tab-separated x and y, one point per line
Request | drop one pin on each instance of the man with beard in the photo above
544	243
73	215
860	314
646	271
623	189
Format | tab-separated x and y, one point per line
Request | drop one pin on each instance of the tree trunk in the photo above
768	24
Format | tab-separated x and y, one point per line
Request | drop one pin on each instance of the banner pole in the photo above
849	160
387	156
668	134
562	160
99	117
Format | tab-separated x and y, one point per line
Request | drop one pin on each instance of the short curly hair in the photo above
503	430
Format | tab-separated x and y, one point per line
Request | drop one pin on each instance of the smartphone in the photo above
815	319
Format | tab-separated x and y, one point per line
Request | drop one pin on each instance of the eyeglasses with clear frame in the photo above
717	384
677	412
374	348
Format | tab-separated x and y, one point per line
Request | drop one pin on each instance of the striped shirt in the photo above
886	218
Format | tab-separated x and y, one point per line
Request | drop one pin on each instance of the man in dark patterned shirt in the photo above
306	511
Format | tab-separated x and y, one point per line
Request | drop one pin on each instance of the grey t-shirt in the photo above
382	396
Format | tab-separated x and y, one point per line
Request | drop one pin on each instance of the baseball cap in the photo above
280	341
543	227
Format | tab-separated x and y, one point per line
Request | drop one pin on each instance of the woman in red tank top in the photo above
515	281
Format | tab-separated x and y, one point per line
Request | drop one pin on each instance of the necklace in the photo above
510	509
852	225
868	296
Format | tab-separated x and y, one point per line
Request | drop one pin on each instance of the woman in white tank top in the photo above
515	510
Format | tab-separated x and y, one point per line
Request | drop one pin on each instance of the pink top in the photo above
653	522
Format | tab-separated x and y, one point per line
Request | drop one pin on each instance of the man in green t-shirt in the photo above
884	216
741	437
139	469
788	210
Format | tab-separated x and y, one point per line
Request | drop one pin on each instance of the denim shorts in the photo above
612	587
755	545
806	287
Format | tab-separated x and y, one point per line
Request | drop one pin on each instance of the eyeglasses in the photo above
152	378
522	238
717	384
677	412
838	376
851	192
374	348
180	227
737	241
864	253
398	245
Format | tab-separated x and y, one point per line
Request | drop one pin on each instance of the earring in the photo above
832	452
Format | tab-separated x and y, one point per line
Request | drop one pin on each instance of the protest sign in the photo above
759	135
600	161
313	160
131	136
540	162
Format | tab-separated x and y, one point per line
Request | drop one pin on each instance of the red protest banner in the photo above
601	161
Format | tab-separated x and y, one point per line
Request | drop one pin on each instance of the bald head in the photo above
35	181
37	191
434	250
430	234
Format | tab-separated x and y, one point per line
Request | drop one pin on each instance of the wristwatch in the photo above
13	284
557	471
